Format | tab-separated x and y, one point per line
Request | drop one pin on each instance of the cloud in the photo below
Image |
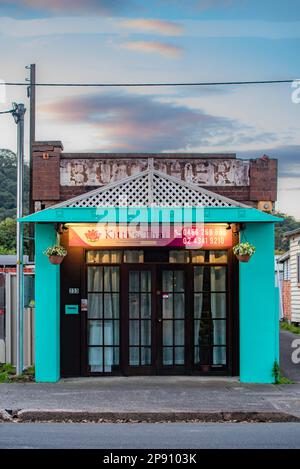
116	26
70	7
290	189
167	50
164	28
213	4
107	7
128	122
288	159
203	5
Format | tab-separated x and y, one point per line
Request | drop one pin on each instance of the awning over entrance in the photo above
149	214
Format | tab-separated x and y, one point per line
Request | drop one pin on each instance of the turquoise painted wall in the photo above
259	335
47	312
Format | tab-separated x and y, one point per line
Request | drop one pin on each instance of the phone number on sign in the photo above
212	241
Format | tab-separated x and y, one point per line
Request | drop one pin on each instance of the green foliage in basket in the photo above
55	251
244	249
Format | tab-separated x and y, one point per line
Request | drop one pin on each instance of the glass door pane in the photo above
173	317
210	322
140	317
103	328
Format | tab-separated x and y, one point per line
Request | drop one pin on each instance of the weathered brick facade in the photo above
46	171
59	176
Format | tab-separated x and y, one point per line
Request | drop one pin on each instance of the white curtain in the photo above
218	309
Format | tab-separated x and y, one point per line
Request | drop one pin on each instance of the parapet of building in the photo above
59	176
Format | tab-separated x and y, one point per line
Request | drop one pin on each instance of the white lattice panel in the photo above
150	189
129	194
173	194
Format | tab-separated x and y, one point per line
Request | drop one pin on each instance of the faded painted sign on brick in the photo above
204	172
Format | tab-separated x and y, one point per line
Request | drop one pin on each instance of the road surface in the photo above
147	436
288	368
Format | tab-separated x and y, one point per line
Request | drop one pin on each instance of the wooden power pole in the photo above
31	94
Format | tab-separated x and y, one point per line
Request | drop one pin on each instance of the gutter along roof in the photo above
150	214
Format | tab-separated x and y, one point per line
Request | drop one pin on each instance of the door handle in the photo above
159	320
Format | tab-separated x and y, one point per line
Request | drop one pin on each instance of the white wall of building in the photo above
294	276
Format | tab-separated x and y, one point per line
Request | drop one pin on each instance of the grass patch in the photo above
283	380
8	374
276	373
289	327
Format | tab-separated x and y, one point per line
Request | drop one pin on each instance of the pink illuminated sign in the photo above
205	236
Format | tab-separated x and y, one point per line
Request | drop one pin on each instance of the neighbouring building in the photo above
150	284
290	286
8	307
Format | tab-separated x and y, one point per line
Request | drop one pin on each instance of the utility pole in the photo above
31	95
18	115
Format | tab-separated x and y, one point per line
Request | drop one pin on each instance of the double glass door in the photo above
157	319
156	315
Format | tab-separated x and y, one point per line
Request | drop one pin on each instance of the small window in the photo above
198	257
156	255
298	268
218	256
104	257
179	257
133	256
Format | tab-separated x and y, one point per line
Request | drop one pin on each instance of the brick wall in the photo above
263	179
46	171
286	299
250	181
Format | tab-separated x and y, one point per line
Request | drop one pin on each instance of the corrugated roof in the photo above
293	232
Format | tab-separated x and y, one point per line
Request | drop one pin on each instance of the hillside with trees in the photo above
289	224
8	200
8	184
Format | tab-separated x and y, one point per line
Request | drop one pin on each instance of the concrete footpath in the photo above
153	399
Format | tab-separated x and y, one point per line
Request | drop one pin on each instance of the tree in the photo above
8	231
8	236
8	185
289	223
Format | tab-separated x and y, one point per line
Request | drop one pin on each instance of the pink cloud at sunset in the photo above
165	28
105	7
167	50
132	122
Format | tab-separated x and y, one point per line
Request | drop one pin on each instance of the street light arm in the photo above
7	112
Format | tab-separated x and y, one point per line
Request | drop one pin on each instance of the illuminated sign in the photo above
206	236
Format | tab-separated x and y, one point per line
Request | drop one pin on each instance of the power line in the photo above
103	85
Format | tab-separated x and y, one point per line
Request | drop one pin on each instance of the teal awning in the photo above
148	214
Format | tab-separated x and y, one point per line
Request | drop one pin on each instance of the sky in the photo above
113	41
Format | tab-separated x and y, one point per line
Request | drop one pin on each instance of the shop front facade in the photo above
150	284
148	309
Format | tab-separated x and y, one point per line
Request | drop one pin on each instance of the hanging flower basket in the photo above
56	254
244	251
243	257
56	259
